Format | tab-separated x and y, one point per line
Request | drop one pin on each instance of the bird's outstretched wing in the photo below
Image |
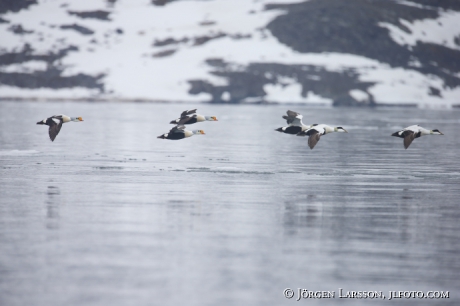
188	112
184	120
292	113
55	127
293	118
177	129
409	136
313	137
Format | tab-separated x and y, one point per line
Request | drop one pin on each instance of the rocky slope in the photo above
356	52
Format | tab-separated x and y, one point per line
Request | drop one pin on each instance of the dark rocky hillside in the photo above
352	27
354	52
250	82
15	5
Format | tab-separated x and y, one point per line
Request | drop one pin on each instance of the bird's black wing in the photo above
291	116
313	137
184	120
188	112
289	120
409	136
292	113
177	129
54	129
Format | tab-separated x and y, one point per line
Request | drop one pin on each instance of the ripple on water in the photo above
18	152
108	168
228	170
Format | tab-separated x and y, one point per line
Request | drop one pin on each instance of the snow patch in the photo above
359	95
225	96
292	94
25	67
442	30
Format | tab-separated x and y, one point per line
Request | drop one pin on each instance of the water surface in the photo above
110	215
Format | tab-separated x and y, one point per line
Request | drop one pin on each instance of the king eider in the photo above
317	130
55	123
412	132
295	124
179	132
190	117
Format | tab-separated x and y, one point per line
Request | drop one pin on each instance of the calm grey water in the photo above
110	215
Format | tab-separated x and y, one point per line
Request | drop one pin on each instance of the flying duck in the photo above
412	132
191	117
314	133
179	132
295	124
55	123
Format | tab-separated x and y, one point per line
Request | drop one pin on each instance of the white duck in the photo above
295	124
179	132
412	132
55	123
191	117
317	130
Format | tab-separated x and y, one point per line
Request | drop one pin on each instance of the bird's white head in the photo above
210	118
76	119
340	129
436	132
198	132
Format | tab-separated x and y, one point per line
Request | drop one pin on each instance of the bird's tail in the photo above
41	122
162	136
279	129
395	134
175	121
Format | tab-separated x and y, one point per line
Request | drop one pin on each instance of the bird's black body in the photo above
293	130
175	133
172	136
185	120
406	133
408	136
49	121
295	124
